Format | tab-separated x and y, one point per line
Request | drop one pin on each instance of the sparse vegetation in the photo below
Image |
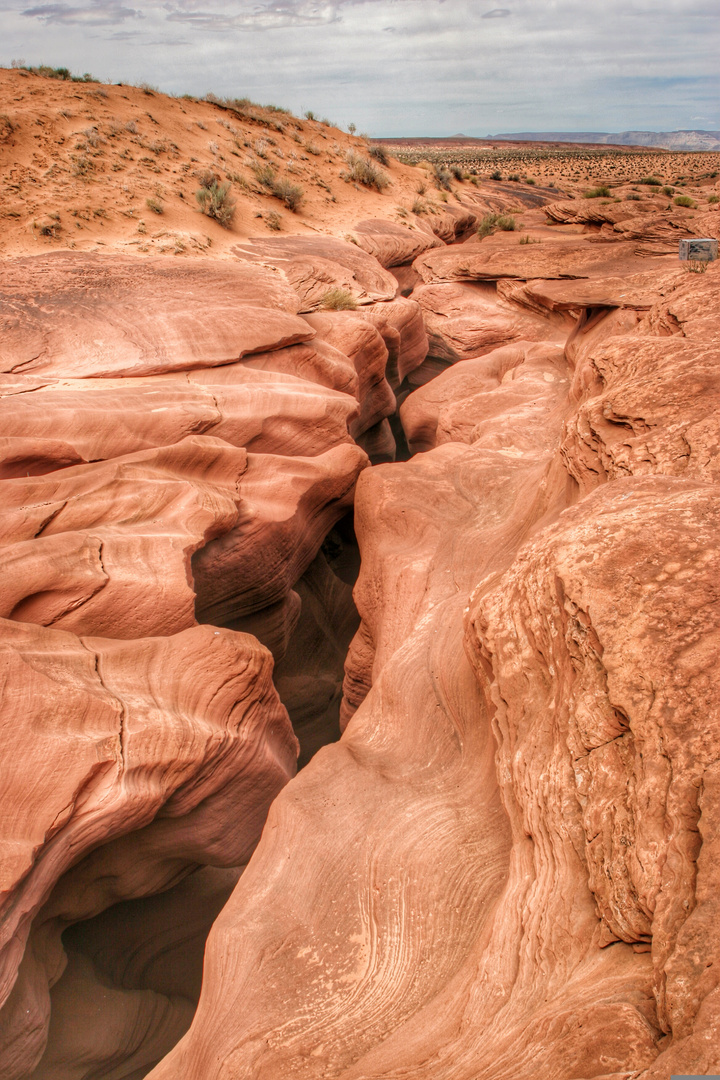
6	127
288	193
362	171
602	191
651	180
273	221
496	175
496	222
215	200
338	300
530	240
441	176
713	198
61	73
668	191
684	200
380	154
155	205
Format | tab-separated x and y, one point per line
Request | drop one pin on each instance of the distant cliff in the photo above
668	140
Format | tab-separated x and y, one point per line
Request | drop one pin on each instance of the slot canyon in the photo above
360	699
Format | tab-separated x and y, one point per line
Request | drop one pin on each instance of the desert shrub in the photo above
6	127
529	239
441	176
273	221
338	300
61	73
651	180
668	190
155	205
215	200
380	154
514	178
419	207
493	222
632	197
81	165
264	174
309	115
602	191
288	193
362	171
684	200
713	198
496	175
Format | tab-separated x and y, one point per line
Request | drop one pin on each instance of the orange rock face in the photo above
505	866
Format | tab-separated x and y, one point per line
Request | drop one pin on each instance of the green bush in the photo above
684	200
493	222
668	191
215	200
600	192
338	300
496	175
62	73
713	198
650	180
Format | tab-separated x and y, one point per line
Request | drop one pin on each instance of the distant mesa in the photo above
685	140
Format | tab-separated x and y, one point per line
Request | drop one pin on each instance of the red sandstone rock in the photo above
90	419
313	265
317	362
74	315
592	607
106	548
159	737
401	325
498	258
288	507
392	244
358	339
465	320
480	400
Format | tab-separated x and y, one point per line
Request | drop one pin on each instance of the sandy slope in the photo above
79	161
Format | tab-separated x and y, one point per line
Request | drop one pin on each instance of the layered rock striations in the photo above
505	865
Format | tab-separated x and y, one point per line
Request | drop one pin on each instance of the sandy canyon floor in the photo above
360	605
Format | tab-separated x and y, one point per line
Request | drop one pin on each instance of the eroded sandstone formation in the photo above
505	866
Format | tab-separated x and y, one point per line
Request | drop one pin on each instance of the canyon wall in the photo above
471	523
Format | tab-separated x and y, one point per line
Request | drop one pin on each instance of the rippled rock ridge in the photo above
360	707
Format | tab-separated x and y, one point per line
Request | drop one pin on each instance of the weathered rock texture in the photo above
512	865
506	865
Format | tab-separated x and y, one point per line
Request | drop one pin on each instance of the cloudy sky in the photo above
401	67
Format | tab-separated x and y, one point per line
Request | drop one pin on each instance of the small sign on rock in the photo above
705	250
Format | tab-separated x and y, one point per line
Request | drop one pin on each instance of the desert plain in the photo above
360	600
